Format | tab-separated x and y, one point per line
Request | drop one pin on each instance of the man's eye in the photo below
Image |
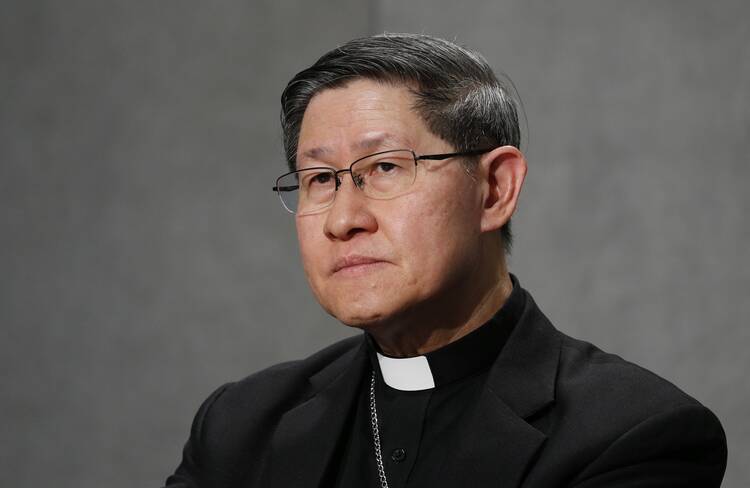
321	179
385	167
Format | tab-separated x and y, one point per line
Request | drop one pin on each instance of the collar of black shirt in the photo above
470	354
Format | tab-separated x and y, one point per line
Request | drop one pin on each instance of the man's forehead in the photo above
372	141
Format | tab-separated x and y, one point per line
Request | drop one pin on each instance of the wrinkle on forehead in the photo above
369	142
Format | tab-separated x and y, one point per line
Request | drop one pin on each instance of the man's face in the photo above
372	262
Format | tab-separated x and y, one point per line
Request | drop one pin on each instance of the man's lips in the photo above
353	261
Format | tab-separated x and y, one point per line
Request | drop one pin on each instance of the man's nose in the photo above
349	214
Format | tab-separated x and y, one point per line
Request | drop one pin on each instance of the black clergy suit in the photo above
552	411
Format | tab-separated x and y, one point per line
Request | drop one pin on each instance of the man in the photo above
404	174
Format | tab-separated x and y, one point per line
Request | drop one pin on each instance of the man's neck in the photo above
432	333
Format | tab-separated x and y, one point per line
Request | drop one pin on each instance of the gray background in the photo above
145	261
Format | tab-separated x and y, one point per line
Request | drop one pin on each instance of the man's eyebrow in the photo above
316	152
369	142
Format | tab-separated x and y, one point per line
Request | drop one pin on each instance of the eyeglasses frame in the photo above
336	172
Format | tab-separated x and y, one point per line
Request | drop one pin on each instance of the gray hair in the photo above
457	94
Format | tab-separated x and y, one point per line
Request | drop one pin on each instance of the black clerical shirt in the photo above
418	429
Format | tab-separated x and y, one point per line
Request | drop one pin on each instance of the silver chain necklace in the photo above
376	433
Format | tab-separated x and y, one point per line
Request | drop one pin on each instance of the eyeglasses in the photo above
383	175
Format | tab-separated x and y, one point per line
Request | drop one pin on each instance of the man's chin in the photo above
363	319
364	309
360	322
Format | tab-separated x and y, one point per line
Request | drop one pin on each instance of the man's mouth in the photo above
355	262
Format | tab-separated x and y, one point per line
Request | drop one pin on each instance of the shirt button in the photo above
398	455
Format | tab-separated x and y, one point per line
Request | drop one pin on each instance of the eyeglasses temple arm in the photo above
286	188
438	157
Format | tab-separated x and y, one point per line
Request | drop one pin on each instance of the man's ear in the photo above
503	171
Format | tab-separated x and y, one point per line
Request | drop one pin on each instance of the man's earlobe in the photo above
504	170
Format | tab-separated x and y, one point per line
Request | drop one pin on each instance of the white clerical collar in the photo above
406	374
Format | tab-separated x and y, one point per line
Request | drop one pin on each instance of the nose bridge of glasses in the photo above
355	178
